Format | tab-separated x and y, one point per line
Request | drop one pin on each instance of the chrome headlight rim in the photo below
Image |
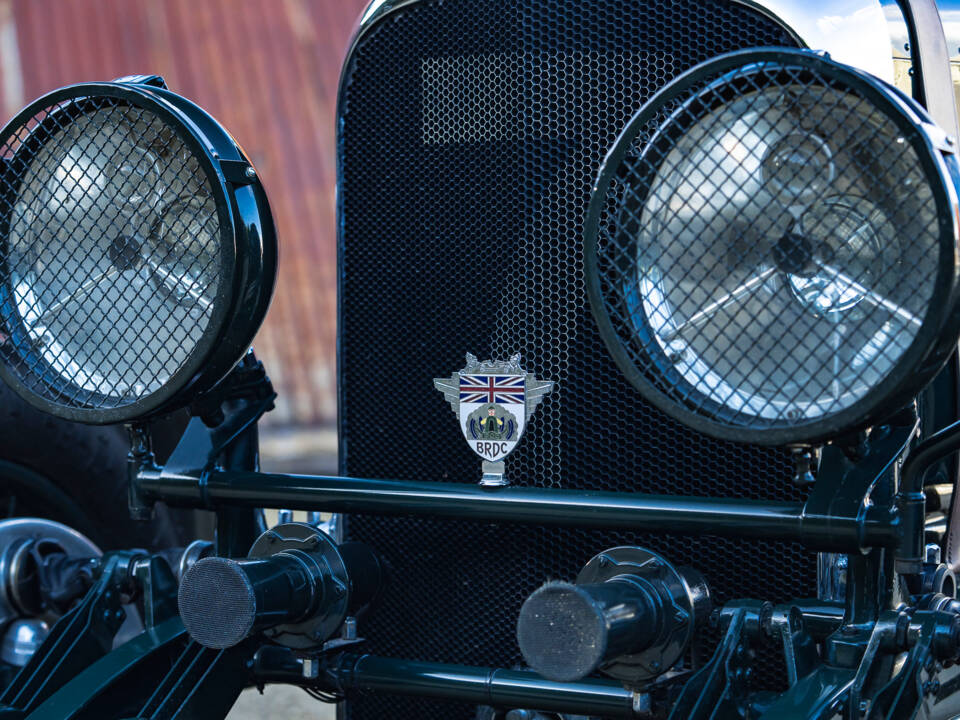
246	245
937	336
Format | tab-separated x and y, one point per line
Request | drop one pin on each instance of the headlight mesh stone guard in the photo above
771	249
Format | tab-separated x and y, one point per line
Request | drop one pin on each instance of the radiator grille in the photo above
471	134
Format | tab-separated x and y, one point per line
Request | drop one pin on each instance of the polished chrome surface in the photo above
14	533
931	55
192	554
21	640
873	35
831	576
950	17
855	32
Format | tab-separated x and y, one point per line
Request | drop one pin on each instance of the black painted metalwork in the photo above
296	586
203	683
718	689
851	509
630	615
912	497
724	517
117	684
480	685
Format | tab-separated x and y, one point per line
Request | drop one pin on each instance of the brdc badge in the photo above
493	400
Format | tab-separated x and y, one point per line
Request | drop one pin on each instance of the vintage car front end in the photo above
670	295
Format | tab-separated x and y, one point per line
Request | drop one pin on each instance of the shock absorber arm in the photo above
79	638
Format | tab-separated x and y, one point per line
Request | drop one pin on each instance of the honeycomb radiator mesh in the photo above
471	133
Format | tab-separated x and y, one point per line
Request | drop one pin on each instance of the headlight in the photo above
137	252
771	248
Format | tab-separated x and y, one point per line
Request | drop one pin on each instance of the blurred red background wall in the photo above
268	70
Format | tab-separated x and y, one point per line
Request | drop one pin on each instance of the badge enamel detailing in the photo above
493	400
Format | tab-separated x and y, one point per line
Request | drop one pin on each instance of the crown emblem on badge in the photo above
493	400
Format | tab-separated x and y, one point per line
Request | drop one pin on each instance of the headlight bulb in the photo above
798	165
182	254
850	247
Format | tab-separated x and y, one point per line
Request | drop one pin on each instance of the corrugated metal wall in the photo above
268	70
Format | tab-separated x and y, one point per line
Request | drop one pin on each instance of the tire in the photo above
76	474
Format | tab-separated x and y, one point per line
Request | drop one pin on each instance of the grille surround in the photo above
407	299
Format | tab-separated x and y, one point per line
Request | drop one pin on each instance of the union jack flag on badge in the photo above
506	389
493	400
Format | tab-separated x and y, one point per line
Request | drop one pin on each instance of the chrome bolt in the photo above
641	704
349	631
250	172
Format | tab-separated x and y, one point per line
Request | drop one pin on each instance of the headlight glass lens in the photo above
767	247
112	263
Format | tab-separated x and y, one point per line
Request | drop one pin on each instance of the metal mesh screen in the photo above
217	603
766	247
471	135
111	261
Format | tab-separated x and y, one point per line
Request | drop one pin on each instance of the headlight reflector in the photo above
771	248
133	273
